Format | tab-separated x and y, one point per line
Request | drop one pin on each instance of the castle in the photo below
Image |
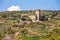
34	17
39	15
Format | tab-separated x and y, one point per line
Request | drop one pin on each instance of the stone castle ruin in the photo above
34	17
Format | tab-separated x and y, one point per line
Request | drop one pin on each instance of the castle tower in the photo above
37	14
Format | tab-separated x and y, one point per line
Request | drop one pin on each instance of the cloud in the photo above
14	8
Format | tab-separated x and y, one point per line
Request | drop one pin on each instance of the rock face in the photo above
8	37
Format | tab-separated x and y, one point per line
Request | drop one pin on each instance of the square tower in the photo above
37	14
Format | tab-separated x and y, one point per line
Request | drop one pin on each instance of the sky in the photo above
30	4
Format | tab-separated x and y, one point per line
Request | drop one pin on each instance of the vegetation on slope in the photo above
42	30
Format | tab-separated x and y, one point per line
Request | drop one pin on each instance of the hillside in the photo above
27	25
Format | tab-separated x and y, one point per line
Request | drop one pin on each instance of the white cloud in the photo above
14	8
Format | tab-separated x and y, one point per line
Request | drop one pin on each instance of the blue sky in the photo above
31	4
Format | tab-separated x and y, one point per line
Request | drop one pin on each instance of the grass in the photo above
31	38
